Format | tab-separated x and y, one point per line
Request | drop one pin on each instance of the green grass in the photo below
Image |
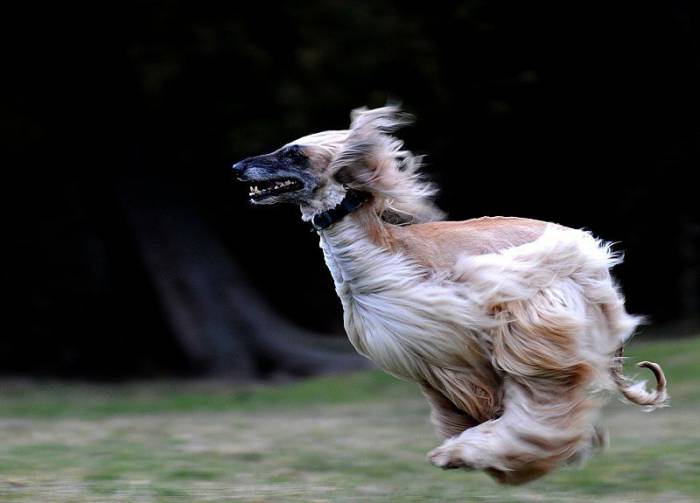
356	438
59	399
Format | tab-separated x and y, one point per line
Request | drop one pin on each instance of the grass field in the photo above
357	438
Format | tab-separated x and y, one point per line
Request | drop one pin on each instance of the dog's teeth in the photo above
254	190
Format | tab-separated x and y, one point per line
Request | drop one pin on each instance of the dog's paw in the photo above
447	457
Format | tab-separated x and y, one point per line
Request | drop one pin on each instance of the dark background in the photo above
121	122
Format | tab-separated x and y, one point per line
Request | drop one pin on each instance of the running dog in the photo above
513	328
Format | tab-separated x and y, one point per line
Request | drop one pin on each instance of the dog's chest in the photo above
394	312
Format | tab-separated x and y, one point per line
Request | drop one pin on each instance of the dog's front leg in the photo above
542	425
448	420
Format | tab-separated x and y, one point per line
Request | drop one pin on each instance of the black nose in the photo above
238	168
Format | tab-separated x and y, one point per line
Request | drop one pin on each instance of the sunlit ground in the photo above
359	438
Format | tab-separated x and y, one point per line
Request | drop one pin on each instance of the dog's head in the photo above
315	171
295	173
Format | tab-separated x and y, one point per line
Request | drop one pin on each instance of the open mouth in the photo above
273	187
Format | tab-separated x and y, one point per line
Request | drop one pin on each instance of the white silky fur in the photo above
401	315
397	313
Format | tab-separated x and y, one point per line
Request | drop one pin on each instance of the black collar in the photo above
352	201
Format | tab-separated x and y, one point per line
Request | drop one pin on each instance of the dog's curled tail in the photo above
636	392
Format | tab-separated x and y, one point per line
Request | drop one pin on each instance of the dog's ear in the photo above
369	148
373	160
343	175
354	164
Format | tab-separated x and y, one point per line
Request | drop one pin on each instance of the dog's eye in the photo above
294	153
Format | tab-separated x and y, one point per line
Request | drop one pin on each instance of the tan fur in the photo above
439	245
475	391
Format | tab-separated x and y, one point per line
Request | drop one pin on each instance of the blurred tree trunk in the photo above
221	322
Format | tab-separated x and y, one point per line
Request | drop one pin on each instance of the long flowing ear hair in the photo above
372	160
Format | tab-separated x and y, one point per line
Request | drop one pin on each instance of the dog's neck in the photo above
353	201
355	246
364	272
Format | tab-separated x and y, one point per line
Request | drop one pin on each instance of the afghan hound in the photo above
513	328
